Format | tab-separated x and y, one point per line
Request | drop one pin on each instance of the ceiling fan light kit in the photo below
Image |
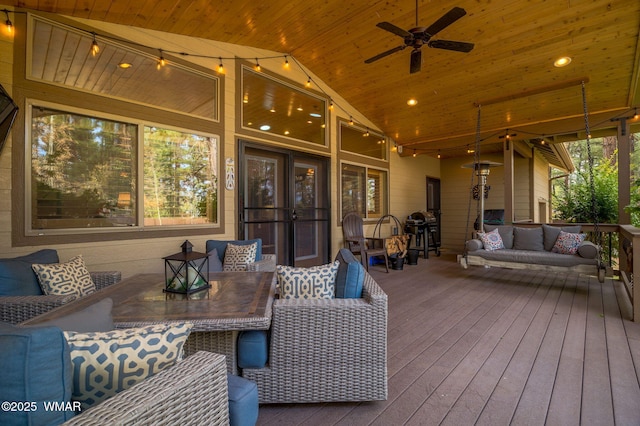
420	36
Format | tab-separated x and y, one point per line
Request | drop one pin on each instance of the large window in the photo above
83	174
364	191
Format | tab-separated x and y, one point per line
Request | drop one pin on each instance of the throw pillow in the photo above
96	317
491	240
568	243
316	282
215	265
551	233
106	363
237	257
506	233
16	276
71	277
528	239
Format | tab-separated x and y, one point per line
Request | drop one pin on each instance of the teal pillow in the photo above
350	277
16	276
36	368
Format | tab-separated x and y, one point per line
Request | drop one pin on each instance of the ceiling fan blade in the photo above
383	54
388	26
447	19
416	61
458	46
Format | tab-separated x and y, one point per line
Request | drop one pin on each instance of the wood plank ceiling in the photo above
510	71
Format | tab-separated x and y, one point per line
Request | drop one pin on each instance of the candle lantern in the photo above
186	272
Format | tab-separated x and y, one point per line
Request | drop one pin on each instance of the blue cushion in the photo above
36	367
243	401
350	276
221	246
253	350
16	276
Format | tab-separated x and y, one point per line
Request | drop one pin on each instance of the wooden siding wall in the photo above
540	186
522	189
406	174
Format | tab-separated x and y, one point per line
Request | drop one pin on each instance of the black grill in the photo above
424	225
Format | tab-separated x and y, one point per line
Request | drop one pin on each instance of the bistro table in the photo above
236	301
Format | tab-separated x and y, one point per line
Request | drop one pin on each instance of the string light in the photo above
414	153
95	49
438	154
308	82
330	104
286	62
161	61
366	133
220	67
350	120
8	22
257	66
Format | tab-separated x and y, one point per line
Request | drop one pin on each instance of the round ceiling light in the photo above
265	127
412	102
562	62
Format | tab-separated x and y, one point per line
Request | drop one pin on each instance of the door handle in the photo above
294	215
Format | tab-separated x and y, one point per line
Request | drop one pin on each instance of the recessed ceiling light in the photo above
412	102
124	65
265	127
315	115
562	62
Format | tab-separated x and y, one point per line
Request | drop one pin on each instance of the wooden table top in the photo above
235	301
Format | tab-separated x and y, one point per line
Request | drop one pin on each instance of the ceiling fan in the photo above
420	36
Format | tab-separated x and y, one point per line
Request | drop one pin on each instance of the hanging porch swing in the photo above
549	248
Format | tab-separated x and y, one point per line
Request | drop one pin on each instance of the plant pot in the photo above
397	262
412	257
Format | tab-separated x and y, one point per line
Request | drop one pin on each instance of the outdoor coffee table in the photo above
236	301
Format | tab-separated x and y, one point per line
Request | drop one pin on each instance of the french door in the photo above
284	199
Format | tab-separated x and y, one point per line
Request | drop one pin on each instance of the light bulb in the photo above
95	49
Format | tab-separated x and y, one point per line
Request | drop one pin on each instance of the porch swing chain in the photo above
476	160
594	207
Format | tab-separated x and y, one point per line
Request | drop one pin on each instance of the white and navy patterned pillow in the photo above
237	257
106	363
71	277
491	240
568	243
316	282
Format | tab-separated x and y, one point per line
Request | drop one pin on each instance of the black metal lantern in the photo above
186	272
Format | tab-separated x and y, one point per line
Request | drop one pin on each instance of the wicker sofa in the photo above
17	309
326	350
185	394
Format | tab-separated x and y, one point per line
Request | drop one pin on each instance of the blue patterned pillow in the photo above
106	363
316	282
71	277
568	243
491	240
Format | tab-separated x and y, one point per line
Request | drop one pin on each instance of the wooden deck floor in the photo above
496	347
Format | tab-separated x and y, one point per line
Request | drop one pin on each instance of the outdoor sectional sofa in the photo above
533	248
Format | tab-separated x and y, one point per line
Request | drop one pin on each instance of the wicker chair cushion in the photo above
237	257
253	349
221	246
16	276
109	362
350	276
243	401
36	368
215	264
316	282
71	277
93	318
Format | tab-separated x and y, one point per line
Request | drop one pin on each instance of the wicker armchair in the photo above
16	309
326	350
189	393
